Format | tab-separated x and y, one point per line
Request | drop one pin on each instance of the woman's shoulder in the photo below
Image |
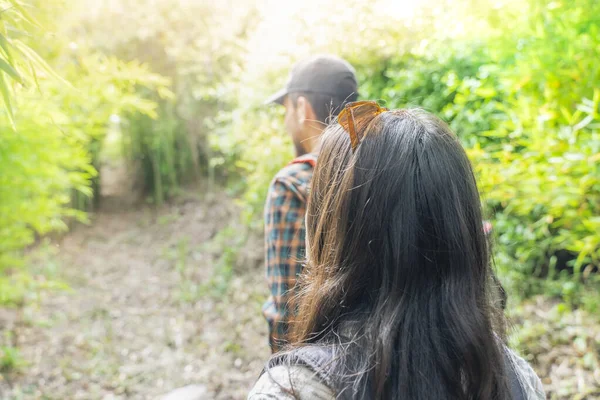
530	382
286	382
301	382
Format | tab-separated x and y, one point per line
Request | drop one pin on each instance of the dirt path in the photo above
152	307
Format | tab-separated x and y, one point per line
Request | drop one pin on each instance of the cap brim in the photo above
278	97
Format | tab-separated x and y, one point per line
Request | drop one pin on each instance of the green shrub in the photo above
522	100
52	133
543	184
199	47
104	88
40	164
40	167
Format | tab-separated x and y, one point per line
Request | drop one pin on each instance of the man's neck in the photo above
313	139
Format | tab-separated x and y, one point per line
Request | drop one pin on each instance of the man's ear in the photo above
301	109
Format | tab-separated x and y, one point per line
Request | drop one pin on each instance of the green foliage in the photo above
181	90
113	91
56	146
199	46
40	166
10	359
223	248
52	135
543	183
36	273
227	243
159	150
21	286
522	101
265	149
533	143
17	60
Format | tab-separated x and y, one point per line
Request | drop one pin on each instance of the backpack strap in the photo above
320	360
310	159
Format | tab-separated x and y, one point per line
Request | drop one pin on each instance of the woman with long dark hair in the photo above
398	300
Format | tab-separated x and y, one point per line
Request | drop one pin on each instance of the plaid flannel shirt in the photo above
285	244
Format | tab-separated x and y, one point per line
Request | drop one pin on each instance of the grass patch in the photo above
11	360
38	273
226	245
223	249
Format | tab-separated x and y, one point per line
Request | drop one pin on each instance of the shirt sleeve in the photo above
290	383
285	248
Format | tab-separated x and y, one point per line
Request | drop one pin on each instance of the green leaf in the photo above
35	77
583	123
486	92
6	67
5	46
24	13
4	88
38	61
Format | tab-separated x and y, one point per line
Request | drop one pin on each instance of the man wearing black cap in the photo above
318	88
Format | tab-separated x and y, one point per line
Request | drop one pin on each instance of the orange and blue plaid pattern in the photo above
285	245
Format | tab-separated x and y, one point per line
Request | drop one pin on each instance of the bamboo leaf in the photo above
585	122
5	46
4	88
24	13
38	61
6	67
35	77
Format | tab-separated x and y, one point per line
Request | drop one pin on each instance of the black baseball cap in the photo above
324	74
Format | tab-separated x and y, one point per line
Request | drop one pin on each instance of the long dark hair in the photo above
398	279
